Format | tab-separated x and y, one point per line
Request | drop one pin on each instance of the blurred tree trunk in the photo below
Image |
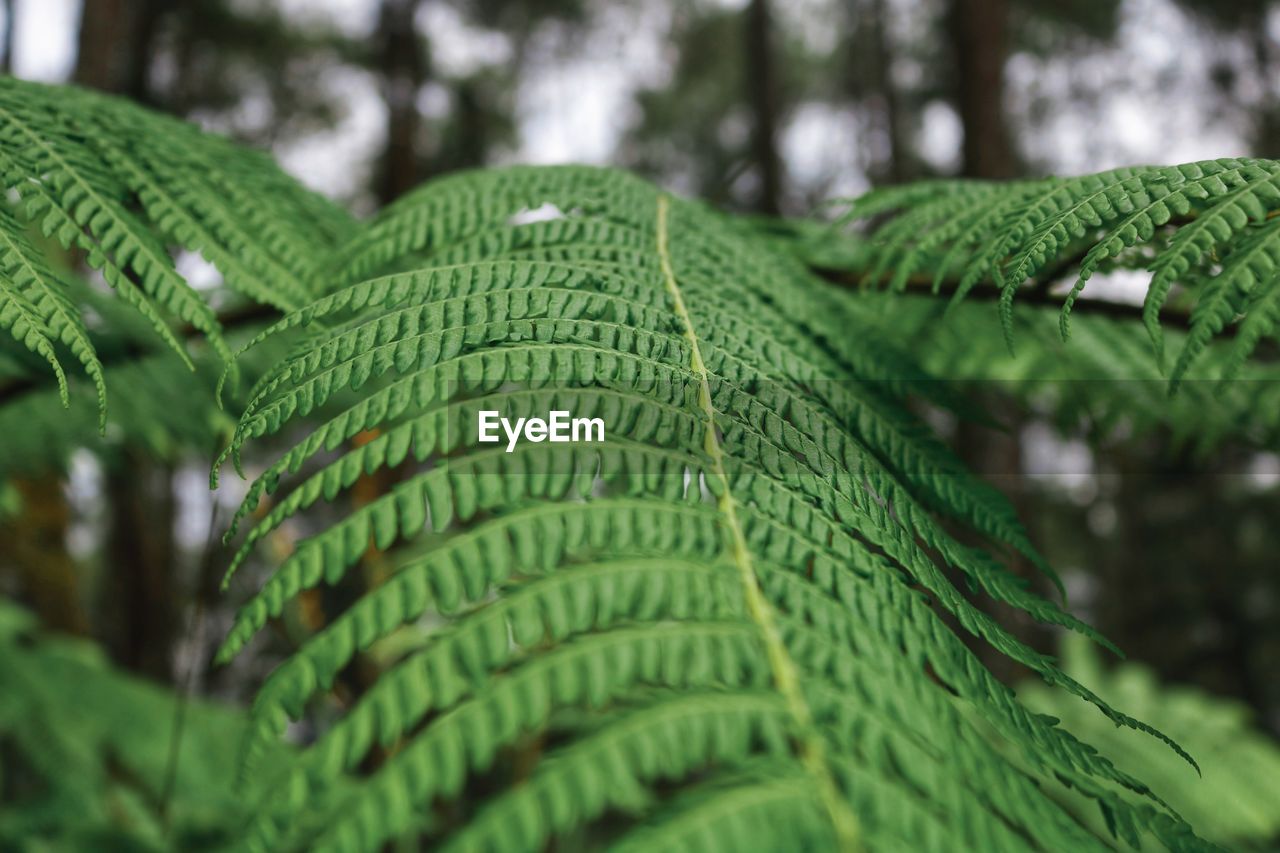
6	63
1174	598
1266	134
996	456
116	45
34	544
139	601
897	167
138	605
762	95
980	35
142	47
33	548
473	125
104	26
404	65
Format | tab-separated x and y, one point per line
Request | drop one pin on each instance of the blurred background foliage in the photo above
1231	804
1160	515
129	765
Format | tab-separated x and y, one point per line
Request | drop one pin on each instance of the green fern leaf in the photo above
122	185
748	572
1175	220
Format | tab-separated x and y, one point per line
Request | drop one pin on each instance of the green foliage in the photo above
1233	804
119	184
1102	381
42	431
87	753
1206	231
745	582
746	615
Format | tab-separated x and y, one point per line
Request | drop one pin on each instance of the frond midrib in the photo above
812	749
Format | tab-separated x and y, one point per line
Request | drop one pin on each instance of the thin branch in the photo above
1035	295
205	580
1040	293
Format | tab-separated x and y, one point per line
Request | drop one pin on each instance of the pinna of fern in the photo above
733	619
1103	380
1207	231
121	185
153	409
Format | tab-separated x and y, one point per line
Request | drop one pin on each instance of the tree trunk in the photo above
472	125
6	63
979	33
896	169
140	602
996	457
136	82
33	547
116	45
404	71
979	30
104	27
1266	131
762	95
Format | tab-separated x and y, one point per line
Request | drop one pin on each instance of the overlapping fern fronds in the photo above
742	619
1102	380
1207	231
121	186
731	620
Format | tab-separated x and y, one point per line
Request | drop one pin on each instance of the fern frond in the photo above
123	185
153	407
1203	229
22	292
750	571
1102	379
